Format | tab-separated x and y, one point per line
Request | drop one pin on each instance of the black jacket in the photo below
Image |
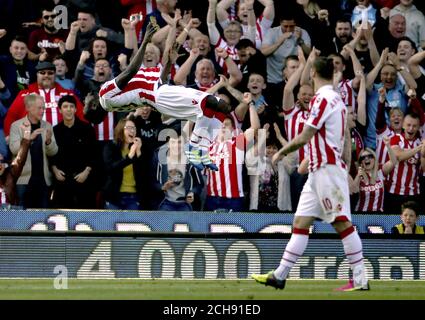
114	166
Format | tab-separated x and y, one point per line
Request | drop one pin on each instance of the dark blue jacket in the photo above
9	75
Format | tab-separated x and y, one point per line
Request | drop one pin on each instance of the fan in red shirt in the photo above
410	152
49	90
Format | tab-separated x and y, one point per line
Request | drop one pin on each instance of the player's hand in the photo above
82	176
408	229
393	59
284	37
247	98
59	174
194	52
382	94
384	57
194	23
26	131
313	55
297	33
387	141
261	109
126	24
43	56
276	158
221	52
301	56
150	31
85	55
411	93
167	185
223	81
277	131
101	33
75	27
323	15
35	133
49	134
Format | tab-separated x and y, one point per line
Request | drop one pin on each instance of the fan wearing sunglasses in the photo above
48	41
370	179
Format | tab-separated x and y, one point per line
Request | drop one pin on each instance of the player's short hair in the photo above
68	98
244	43
392	110
31	99
412	43
203	60
413	115
412	205
235	23
324	67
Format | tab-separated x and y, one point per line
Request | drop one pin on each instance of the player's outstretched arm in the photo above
124	77
296	143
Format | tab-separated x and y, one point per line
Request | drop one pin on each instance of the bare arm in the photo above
373	50
279	136
222	7
414	64
184	70
296	143
72	36
233	70
167	60
124	77
357	67
410	82
346	151
253	117
269	10
212	29
252	27
405	154
270	49
305	76
288	92
423	156
361	102
371	76
389	165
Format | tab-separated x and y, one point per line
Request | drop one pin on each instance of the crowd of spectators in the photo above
60	149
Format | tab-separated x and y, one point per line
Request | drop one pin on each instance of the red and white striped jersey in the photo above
381	149
231	50
105	129
345	89
139	90
404	178
294	125
262	25
371	196
328	116
229	157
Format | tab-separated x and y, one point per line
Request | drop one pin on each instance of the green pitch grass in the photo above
161	289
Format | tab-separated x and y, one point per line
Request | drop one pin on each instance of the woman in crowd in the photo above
123	167
370	179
